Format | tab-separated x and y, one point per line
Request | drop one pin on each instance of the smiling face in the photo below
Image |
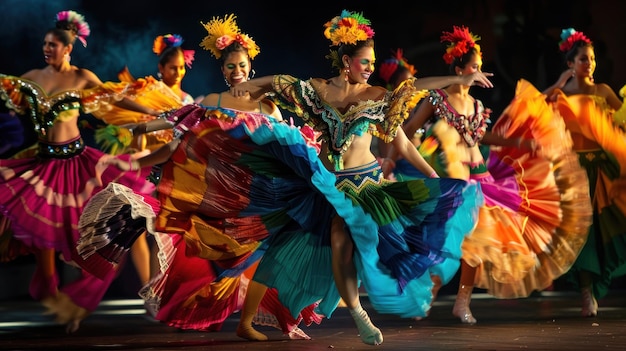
584	63
361	64
236	67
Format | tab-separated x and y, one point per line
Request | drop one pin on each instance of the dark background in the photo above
519	40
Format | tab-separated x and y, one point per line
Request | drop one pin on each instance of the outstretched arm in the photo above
131	105
256	87
161	155
478	78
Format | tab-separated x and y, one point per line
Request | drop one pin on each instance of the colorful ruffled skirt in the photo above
603	258
252	200
43	197
536	214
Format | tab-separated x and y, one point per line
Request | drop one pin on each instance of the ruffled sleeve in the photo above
401	102
585	115
292	94
11	94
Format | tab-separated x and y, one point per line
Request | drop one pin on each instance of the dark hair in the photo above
234	47
571	53
351	49
462	61
65	31
400	71
168	53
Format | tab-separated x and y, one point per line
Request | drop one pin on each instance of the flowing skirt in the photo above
251	198
43	197
536	214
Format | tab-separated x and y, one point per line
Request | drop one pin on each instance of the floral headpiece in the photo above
461	41
569	37
222	33
82	27
163	42
389	66
348	28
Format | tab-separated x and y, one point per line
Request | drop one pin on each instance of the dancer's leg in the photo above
346	280
140	254
461	307
254	295
590	305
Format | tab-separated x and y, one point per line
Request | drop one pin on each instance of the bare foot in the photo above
248	333
65	311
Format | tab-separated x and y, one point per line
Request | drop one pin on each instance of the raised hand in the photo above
477	78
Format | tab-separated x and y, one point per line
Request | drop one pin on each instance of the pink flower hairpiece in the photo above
163	42
569	37
461	41
82	27
348	28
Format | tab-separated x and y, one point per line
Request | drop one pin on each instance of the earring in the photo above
160	75
346	71
67	57
226	81
252	73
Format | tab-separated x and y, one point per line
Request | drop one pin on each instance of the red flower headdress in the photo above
348	28
82	27
222	33
461	41
389	66
172	40
569	37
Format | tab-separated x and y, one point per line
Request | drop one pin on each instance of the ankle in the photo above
367	331
246	331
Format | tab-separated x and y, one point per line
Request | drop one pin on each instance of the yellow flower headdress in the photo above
224	32
461	40
348	28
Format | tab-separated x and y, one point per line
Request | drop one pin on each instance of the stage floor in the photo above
546	321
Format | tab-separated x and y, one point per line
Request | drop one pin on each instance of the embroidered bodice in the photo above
472	128
339	129
28	98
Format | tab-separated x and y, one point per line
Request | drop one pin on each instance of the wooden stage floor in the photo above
546	321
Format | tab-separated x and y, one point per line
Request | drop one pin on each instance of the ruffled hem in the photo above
539	240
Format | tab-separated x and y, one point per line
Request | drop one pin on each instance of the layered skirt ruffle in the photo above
536	214
42	198
251	198
604	255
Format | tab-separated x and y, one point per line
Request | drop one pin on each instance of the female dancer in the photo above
393	233
43	195
594	115
534	219
226	186
164	93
